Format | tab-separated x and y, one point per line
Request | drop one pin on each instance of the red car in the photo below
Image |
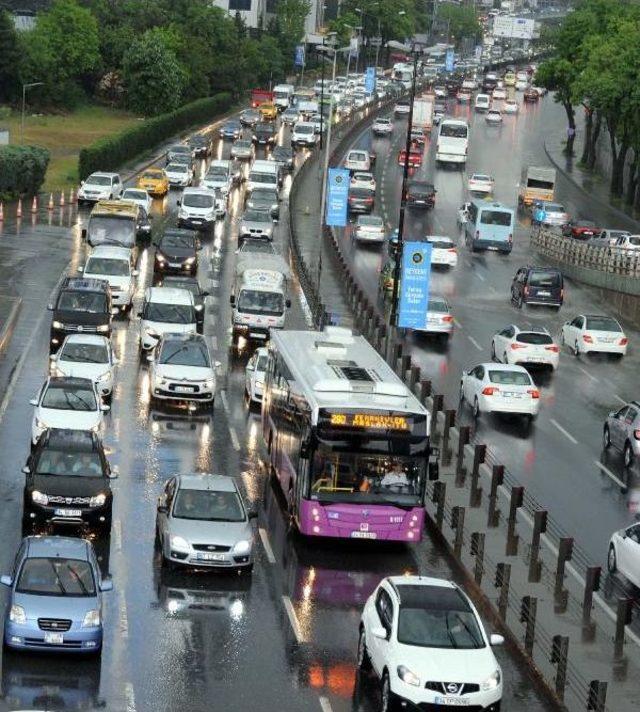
415	158
581	229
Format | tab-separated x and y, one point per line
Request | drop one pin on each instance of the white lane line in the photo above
225	402
325	704
457	324
608	473
267	545
567	435
232	431
587	374
474	342
234	438
117	534
124	619
620	400
480	277
131	698
293	618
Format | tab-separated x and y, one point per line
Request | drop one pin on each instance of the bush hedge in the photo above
22	170
111	152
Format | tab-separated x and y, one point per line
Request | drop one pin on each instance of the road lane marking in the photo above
124	618
293	618
234	438
117	534
474	342
587	374
325	704
609	474
131	698
232	431
457	323
567	435
481	277
267	545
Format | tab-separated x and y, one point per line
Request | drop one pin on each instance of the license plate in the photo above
54	638
210	557
364	535
512	395
255	335
492	248
175	264
451	701
196	222
68	512
544	294
419	202
184	389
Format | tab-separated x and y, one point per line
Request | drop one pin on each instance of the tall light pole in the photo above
364	14
24	101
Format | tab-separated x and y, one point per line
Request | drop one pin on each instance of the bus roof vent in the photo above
356	373
333	348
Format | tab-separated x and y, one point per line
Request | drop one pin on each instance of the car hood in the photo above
447	665
176	253
73	607
182	373
69	419
250	225
199	532
114	280
92	371
197	211
261	204
81	317
70	485
165	327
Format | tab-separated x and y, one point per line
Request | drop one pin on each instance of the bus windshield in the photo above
111	229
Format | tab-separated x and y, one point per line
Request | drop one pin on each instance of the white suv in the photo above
165	310
425	641
115	265
100	186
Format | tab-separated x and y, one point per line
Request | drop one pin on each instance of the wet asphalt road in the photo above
287	635
560	462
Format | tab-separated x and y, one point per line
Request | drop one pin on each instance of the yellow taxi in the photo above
268	112
509	79
154	181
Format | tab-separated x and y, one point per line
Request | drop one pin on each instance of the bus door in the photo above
301	486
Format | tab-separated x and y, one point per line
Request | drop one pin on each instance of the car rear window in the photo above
532	337
510	378
544	279
438	305
602	323
495	217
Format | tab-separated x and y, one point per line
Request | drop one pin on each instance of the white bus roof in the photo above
337	369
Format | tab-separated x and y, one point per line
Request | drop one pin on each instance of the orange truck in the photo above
261	96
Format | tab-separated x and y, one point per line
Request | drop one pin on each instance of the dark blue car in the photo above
231	130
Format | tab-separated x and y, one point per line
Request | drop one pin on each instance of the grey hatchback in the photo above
622	430
202	522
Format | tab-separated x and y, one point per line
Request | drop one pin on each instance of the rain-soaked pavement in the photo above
282	639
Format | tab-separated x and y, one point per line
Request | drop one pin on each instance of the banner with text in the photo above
414	285
337	197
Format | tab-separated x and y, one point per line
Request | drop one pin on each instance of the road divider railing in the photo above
572	625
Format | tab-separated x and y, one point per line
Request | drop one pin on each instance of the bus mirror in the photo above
434	471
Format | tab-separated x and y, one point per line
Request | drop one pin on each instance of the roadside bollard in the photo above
34	205
449	422
479	454
597	697
438	498
1	212
477	550
19	208
50	203
591	584
497	478
403	365
539	527
623	619
425	390
457	524
528	611
414	377
517	497
438	402
464	436
503	577
559	656
62	199
565	552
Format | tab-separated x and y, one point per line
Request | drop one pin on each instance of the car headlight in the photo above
104	377
179	544
103	328
39	498
210	383
57	325
407	676
40	424
242	547
98	501
158	380
183	214
160	258
190	260
17	614
492	681
92	619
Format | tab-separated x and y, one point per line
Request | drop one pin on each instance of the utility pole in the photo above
24	103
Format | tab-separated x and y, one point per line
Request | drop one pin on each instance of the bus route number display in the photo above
369	421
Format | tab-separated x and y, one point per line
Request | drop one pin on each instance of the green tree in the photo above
462	21
289	25
153	78
10	58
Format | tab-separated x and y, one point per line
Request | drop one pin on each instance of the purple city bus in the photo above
347	440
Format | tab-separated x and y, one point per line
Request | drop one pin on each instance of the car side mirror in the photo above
140	314
105	408
26	470
106	585
81	269
115	311
496	639
206	294
53	358
50	307
33	401
178	202
150	357
379	631
6	580
252	514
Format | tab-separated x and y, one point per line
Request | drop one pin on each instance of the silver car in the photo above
242	150
622	431
203	522
256	223
547	213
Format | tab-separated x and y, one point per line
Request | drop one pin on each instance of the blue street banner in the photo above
414	285
478	52
337	197
298	57
370	80
448	60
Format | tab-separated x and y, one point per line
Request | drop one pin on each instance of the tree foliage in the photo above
462	20
9	59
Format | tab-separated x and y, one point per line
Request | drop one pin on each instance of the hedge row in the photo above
22	170
111	152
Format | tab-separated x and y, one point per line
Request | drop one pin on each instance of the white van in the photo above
453	141
483	102
265	175
198	208
165	310
115	265
267	166
304	134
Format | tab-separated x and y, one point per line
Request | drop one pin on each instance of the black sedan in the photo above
283	156
231	130
200	145
192	285
176	253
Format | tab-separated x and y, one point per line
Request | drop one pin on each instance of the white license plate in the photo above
451	701
364	535
419	202
512	395
544	294
492	248
255	335
175	264
210	557
605	340
68	512
196	222
54	638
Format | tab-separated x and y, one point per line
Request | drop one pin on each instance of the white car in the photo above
439	317
500	388
493	116
67	403
444	252
363	180
254	375
179	174
402	108
590	332
521	84
499	93
624	553
480	183
100	186
510	106
304	134
382	127
86	356
115	265
357	160
482	102
181	369
369	228
424	641
628	242
525	346
165	310
140	197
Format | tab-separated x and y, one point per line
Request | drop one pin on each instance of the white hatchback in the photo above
500	388
363	179
510	106
594	333
369	228
480	183
525	346
140	197
499	93
115	265
444	252
494	116
624	553
86	356
254	375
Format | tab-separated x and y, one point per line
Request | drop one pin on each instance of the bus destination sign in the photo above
370	421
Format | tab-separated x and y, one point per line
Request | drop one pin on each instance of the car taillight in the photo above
587	339
562	293
515	347
534	393
636	434
490	390
553	348
369	200
623	341
447	318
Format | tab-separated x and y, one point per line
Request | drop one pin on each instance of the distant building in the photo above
24	11
252	12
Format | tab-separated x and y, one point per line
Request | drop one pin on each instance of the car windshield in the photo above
243	145
69	463
111	230
357	156
261	363
191	353
252	301
84	353
553	208
453	131
174	240
90	302
631	240
197	200
266	178
153	175
441	244
479	176
207	505
602	323
169	313
98	180
221	174
510	378
261	216
179	149
496	217
360	193
544	279
76	398
56	577
264	195
534	337
107	266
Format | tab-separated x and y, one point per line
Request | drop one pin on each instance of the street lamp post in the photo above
24	101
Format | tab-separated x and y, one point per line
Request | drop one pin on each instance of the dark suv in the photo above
538	285
68	481
421	194
264	134
81	306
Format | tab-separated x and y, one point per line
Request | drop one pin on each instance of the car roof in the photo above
203	480
85	284
168	295
503	367
54	546
178	232
102	174
112	251
183	338
531	330
94	339
426	581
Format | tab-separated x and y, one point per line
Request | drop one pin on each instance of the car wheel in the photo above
627	455
612	563
364	662
606	438
493	351
461	394
476	408
576	349
387	700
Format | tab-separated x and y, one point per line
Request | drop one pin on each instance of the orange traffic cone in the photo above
50	205
72	196
19	210
1	212
62	199
34	205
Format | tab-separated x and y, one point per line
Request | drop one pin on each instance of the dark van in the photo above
538	285
81	306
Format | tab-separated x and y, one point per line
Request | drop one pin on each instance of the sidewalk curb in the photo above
7	328
594	198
